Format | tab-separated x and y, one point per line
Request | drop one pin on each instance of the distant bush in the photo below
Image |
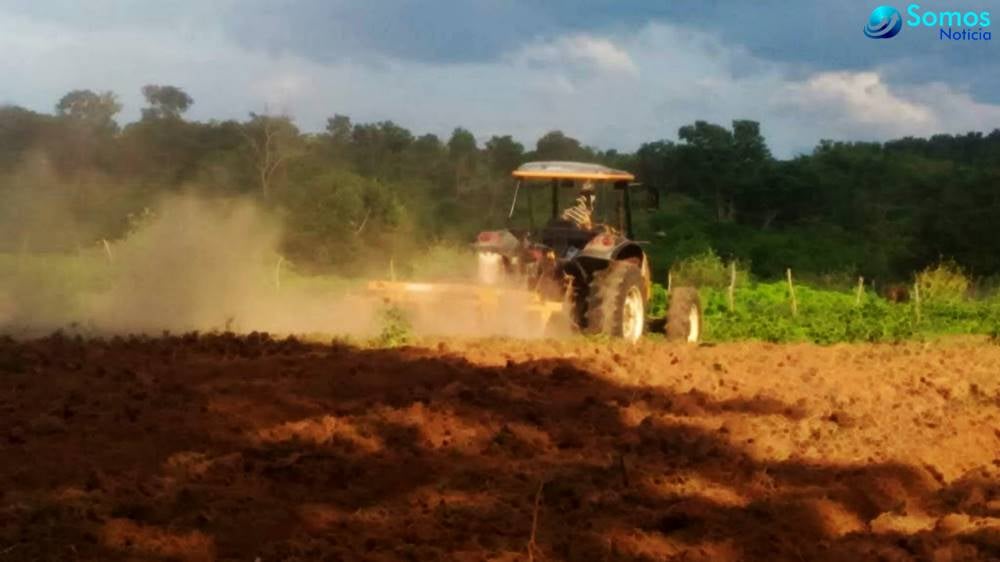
944	282
706	270
703	270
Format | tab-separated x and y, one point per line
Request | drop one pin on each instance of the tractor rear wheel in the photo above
616	303
684	315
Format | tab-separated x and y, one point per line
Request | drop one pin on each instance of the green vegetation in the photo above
764	311
396	330
944	282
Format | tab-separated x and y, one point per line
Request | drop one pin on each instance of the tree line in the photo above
361	191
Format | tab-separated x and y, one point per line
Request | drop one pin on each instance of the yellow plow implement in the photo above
468	309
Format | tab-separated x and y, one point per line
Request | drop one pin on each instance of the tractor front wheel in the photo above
684	315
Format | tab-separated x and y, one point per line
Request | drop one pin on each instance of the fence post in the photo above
732	286
670	280
791	290
916	298
861	290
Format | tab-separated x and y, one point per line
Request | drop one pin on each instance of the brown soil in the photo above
225	448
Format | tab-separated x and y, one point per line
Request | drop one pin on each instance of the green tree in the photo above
504	154
336	215
655	167
21	130
708	157
555	145
339	128
462	151
272	141
378	148
165	102
94	111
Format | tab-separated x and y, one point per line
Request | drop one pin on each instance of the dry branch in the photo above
364	221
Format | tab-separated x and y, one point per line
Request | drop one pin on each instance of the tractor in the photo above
587	273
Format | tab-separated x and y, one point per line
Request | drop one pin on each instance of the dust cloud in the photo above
479	300
201	264
194	264
209	264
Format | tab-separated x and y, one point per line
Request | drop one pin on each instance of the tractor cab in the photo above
543	191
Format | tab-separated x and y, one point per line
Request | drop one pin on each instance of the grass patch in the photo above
763	312
396	329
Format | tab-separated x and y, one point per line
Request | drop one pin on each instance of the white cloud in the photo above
861	105
609	91
863	98
581	52
956	111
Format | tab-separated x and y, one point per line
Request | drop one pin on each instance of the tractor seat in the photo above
561	235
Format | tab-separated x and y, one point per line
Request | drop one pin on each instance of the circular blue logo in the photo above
884	23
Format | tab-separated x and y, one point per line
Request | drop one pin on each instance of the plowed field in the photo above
247	448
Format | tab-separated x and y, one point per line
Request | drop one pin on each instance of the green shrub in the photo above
703	270
706	270
396	329
944	282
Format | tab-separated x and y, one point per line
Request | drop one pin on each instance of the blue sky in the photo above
612	73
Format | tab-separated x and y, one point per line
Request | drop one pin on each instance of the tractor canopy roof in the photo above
570	171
